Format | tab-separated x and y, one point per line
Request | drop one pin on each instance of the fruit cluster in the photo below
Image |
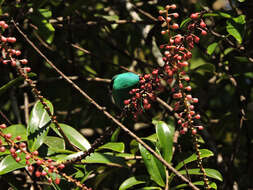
176	54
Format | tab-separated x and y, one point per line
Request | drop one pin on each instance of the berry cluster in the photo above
43	167
176	54
8	54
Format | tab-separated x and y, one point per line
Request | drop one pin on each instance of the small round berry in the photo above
202	24
188	97
3	39
8	135
197	116
145	101
173	6
147	106
30	168
2	149
18	159
200	127
203	32
49	180
176	15
3	126
175	26
5	26
5	62
194	131
195	100
57	181
163	32
2	23
168	19
18	53
196	39
188	88
39	162
37	173
11	39
187	78
43	173
146	76
18	138
27	157
1	142
155	72
35	153
27	162
22	145
126	102
24	61
61	166
194	15
160	18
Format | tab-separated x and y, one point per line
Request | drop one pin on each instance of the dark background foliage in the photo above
115	36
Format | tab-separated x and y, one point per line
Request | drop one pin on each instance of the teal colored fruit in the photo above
121	84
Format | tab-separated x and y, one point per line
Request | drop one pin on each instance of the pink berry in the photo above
35	153
5	62
176	15
194	131
197	116
188	88
30	168
126	102
2	149
168	19
18	53
61	166
24	61
3	126
188	97
27	69
2	23
11	39
195	100
194	15
175	26
18	159
173	6
203	33
39	162
43	173
196	39
3	39
27	157
200	127
37	173
202	24
49	180
8	136
5	26
18	138
12	150
22	145
27	162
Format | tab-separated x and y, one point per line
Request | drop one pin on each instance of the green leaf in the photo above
114	146
14	82
217	14
235	27
105	158
8	164
154	167
204	153
211	48
209	172
132	181
15	130
165	133
115	135
45	28
184	22
200	183
38	125
74	136
149	188
55	142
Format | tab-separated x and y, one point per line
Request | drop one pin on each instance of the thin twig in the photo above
107	114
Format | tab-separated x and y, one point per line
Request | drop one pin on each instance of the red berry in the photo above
43	173
3	39
137	95
197	116
2	23
176	15
18	53
168	19
35	153
196	39
194	15
175	26
18	159
177	95
30	168
18	138
146	76
188	88
24	61
27	69
160	18
145	101
200	127
126	102
27	162
11	39
8	136
57	181
49	180
13	63
5	62
2	149
39	162
173	6
155	72
147	106
22	145
195	100
3	126
61	166
1	142
202	24
188	97
194	131
203	32
27	157
37	173
5	26
12	150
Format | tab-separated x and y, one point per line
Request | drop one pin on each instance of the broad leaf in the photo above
204	153
38	125
55	145
132	181
9	164
235	27
200	183
211	48
209	172
165	133
15	130
154	167
149	188
73	136
114	146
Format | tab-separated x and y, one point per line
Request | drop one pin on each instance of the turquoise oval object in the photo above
121	85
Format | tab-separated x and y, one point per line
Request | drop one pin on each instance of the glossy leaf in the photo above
15	130
154	167
200	183
9	164
235	27
114	146
149	188
38	125
165	133
204	153
211	48
212	173
132	181
74	136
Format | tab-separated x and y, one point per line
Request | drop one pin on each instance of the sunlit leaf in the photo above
132	181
